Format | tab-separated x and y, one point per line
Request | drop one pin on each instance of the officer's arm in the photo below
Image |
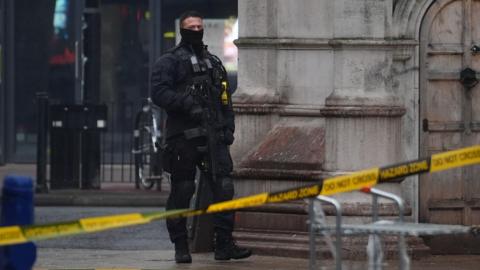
164	93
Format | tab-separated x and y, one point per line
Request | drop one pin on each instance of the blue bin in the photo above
17	209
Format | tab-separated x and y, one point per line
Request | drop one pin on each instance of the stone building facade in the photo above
329	87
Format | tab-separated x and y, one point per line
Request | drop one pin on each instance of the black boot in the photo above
226	249
182	254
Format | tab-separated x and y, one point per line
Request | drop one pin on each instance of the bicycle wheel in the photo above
145	156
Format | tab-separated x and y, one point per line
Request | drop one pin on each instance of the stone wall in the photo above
346	69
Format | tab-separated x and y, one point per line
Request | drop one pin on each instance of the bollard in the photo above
17	209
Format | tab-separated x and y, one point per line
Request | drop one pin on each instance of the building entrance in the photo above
450	114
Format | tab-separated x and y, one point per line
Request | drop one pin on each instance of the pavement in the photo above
125	194
110	194
163	259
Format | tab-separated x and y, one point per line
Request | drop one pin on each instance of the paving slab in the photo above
113	193
163	259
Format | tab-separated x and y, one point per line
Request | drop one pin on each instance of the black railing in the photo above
117	160
117	143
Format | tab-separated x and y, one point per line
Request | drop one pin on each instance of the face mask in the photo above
191	36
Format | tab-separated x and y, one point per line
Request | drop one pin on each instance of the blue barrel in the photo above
17	209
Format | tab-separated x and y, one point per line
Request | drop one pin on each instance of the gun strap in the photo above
193	133
195	65
200	66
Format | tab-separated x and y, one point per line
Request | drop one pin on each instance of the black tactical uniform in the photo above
180	81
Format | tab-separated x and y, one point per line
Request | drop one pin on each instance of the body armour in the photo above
174	77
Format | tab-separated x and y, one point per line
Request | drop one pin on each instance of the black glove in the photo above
228	137
187	102
195	113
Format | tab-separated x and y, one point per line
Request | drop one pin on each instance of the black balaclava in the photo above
193	38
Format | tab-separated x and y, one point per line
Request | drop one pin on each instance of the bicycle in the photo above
147	146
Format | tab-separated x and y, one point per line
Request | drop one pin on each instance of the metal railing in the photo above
116	143
132	146
117	161
375	230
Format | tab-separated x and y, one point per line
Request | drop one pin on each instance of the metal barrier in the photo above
317	217
132	146
116	142
75	145
375	229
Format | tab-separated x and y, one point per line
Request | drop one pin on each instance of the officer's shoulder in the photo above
170	56
213	57
178	51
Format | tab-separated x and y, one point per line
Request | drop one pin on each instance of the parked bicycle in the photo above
147	146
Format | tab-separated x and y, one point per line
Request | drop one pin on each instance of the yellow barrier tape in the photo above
11	235
110	222
355	181
456	158
193	213
162	215
405	169
244	202
295	194
48	231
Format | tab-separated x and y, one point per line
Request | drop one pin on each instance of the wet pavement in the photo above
163	259
145	252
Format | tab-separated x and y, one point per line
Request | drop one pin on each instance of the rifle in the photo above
200	228
211	122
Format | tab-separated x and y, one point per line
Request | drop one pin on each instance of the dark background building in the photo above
41	41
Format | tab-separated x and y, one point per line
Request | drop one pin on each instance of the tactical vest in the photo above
207	69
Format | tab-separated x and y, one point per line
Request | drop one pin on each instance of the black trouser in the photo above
182	157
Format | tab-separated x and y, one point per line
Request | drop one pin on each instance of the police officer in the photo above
191	85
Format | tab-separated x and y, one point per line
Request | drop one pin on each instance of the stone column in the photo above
363	114
256	97
284	68
314	100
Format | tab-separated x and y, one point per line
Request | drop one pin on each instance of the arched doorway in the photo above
450	117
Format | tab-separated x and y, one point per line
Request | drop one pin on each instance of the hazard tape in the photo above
456	158
356	181
20	234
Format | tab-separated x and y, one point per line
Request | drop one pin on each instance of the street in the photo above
143	246
152	236
148	247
